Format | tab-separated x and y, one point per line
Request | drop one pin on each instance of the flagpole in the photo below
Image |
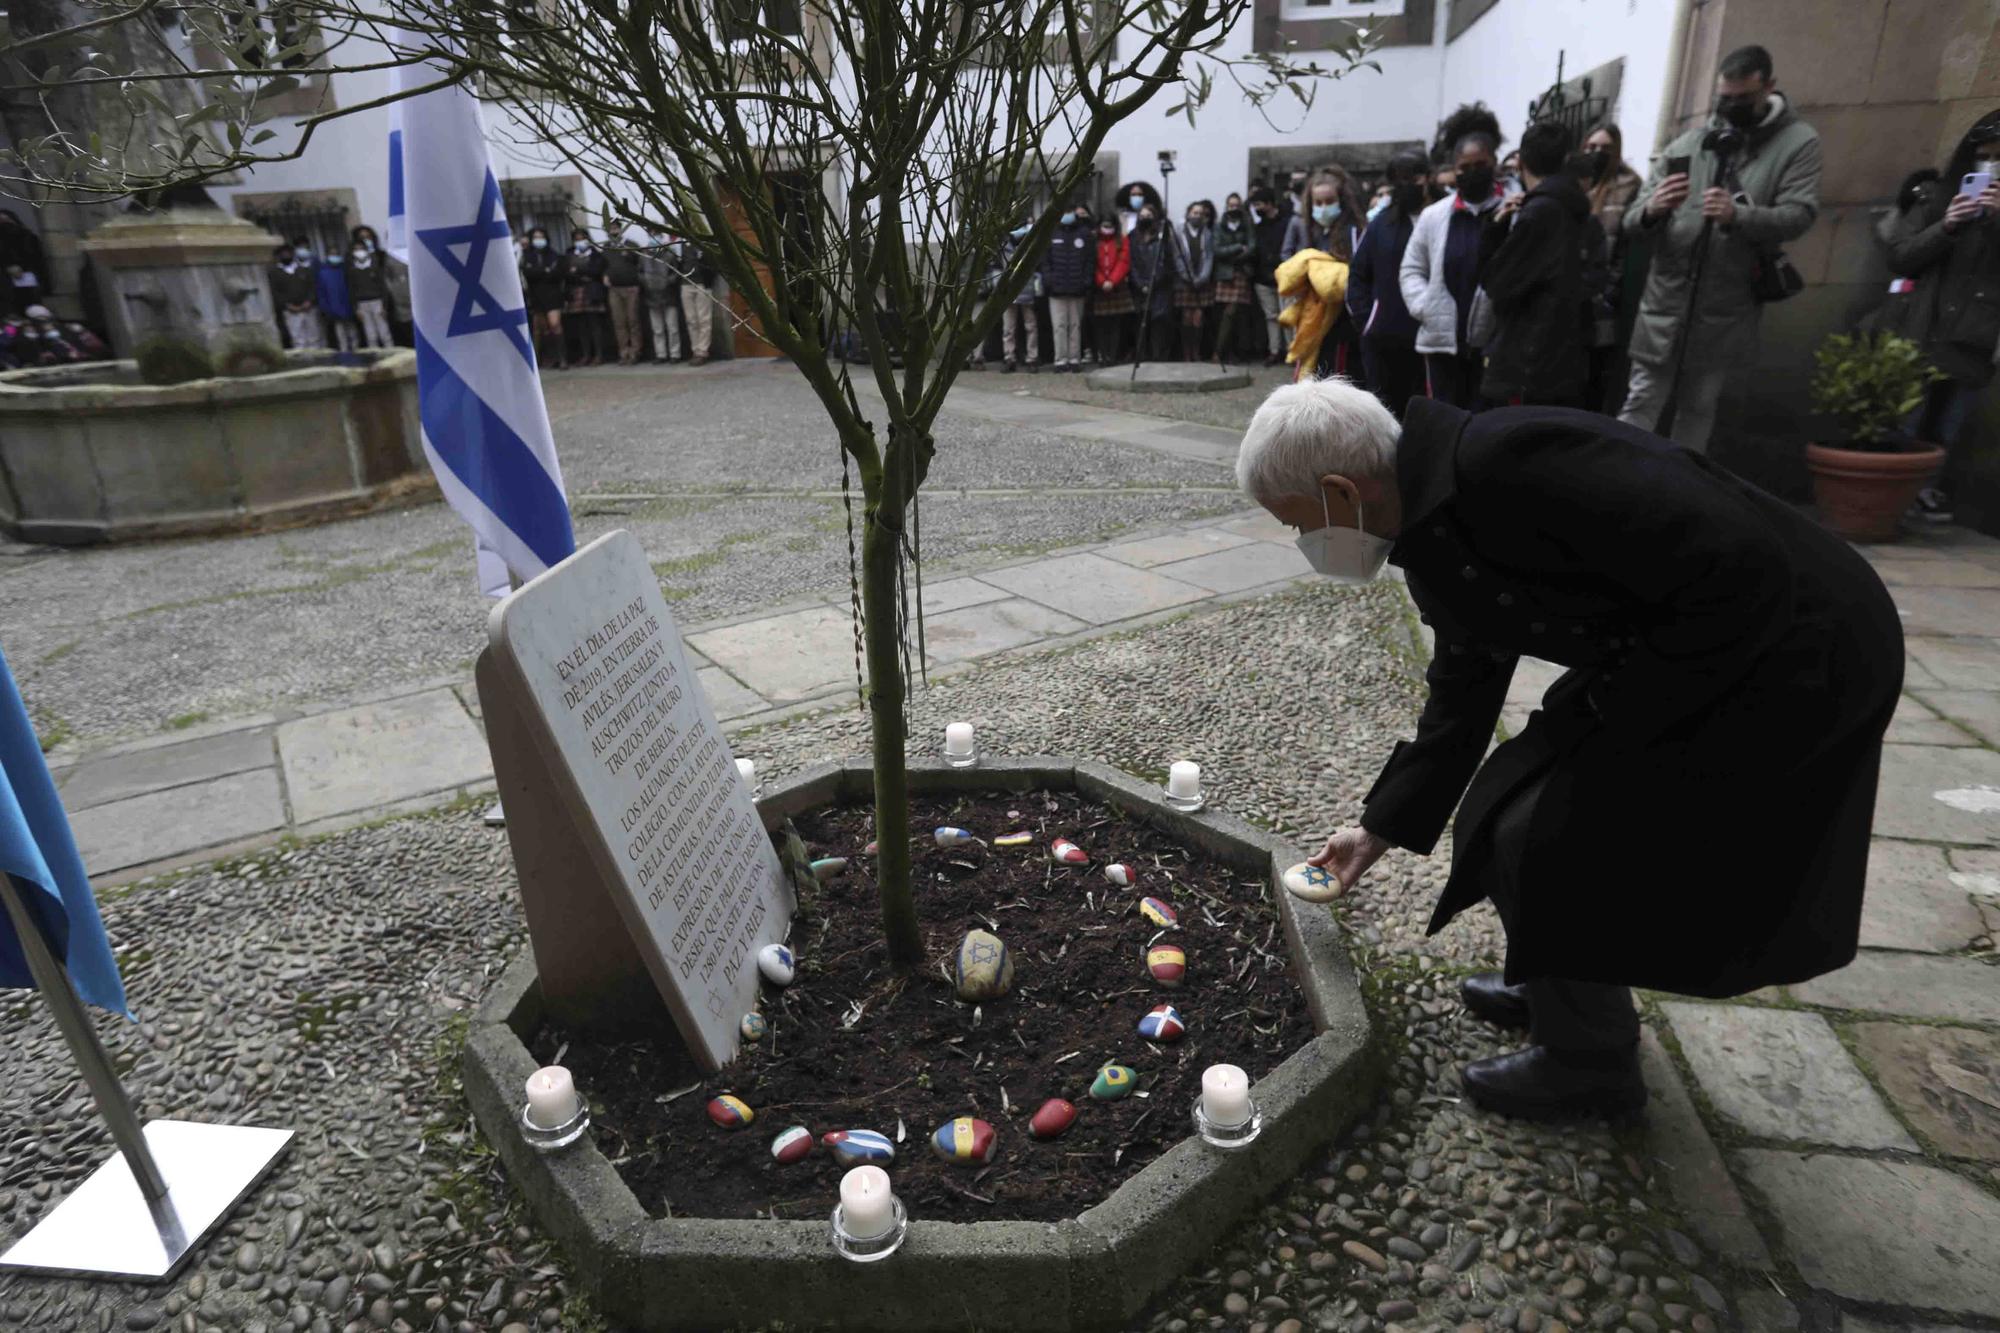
71	1019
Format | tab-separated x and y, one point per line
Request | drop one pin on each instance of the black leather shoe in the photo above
1540	1084
1490	998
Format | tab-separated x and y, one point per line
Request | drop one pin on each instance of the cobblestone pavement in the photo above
1825	1157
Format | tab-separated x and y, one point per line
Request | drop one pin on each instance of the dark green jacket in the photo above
1235	252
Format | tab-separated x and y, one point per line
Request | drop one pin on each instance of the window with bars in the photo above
539	203
738	19
320	219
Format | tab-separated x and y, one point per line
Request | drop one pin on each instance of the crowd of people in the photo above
30	333
344	300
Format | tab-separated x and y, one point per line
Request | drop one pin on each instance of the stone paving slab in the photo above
1945	1081
1957	663
161	825
992	627
782	658
1919	985
1782	1074
1912	903
1915	724
353	759
1147	552
1094	589
1948	610
1260	526
1856	1324
100	780
1879	1231
952	594
1941	572
1978	711
727	695
1931	793
1676	1138
1252	565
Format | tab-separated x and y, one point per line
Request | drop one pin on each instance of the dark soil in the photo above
917	1055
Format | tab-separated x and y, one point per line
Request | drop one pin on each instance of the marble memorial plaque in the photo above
598	668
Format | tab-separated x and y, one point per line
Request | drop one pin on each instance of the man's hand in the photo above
1670	194
1717	204
1508	207
1348	854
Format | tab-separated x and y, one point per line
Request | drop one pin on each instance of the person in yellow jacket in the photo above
1318	283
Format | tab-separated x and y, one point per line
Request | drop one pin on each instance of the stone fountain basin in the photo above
1089	1272
88	453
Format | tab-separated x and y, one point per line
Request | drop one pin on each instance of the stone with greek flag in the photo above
485	425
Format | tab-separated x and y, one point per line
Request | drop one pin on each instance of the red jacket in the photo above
1114	261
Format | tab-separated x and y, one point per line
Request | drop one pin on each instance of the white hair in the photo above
1311	429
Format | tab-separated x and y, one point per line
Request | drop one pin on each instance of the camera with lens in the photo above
1167	156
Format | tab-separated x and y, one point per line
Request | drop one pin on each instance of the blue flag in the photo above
485	425
37	850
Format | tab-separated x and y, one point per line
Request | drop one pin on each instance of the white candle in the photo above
958	738
1184	780
552	1098
1225	1095
865	1203
747	771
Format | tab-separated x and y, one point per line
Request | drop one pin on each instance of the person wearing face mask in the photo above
1110	297
1720	646
1944	248
1374	294
1068	271
1440	270
1194	276
1531	269
587	300
545	281
335	305
1132	198
294	294
1766	194
1269	223
1235	272
1332	225
365	288
1019	327
1151	279
395	276
661	283
1613	279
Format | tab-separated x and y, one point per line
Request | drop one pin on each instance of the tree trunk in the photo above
879	551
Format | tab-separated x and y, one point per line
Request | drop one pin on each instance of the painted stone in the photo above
871	849
852	1147
1067	852
775	961
829	866
965	1140
730	1112
948	836
1120	874
1163	1024
1315	884
1167	964
753	1027
793	1145
1052	1118
983	968
1113	1082
1014	840
1159	912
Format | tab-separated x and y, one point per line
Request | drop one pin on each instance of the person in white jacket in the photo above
1440	272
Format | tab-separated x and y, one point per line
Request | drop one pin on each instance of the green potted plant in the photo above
1871	383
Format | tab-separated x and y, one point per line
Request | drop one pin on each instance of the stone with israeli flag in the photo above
485	425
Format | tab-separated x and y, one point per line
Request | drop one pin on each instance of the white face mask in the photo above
1345	555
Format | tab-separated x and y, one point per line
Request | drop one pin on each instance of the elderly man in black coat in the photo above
1689	810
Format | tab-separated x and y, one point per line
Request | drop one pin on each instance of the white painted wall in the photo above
1507	57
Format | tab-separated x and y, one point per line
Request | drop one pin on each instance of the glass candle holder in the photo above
961	747
1184	786
870	1249
1228	1136
552	1137
747	770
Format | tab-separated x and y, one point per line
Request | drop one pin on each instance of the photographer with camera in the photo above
1724	199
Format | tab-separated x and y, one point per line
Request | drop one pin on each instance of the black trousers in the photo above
1396	372
1453	379
1577	1018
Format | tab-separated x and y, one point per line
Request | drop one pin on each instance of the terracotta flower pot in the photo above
1862	495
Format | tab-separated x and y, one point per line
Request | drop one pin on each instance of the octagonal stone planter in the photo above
1093	1271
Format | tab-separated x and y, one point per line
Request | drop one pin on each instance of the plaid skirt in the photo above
1233	291
1117	301
1194	298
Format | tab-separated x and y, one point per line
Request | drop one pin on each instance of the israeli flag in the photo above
485	425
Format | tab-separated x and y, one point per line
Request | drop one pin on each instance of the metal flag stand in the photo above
144	1210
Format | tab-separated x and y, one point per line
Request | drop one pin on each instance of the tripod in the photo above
1165	256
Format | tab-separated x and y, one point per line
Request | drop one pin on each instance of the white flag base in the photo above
496	817
107	1229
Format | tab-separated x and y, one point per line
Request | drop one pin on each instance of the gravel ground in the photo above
322	987
1229	408
123	641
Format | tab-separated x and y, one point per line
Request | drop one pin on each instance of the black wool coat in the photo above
1710	756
